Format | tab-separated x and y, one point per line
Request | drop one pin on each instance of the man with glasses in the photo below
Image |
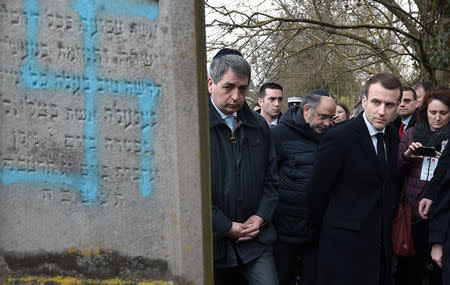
296	139
406	111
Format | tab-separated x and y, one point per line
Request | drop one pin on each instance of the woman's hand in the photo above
436	253
424	207
438	154
409	153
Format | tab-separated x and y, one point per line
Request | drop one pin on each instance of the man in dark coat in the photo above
296	139
351	191
243	175
407	117
439	232
406	111
432	191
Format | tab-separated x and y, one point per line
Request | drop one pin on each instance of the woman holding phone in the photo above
432	129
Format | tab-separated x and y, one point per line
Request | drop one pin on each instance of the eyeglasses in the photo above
324	117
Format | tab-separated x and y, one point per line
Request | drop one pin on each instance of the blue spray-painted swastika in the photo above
34	77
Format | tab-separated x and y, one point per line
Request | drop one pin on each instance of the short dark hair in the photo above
344	106
387	80
269	85
440	93
426	85
407	88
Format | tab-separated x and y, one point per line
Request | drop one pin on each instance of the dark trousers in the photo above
411	270
260	271
294	260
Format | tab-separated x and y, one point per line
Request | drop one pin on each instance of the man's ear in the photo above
260	101
210	85
364	102
306	111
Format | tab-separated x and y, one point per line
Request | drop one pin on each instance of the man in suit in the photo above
406	111
271	101
351	192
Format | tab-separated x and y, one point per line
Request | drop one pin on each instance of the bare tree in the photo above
335	44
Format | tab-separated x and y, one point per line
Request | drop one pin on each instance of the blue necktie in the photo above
231	122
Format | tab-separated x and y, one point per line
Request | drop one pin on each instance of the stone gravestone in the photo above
103	165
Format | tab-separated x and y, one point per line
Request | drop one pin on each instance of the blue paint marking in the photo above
147	10
146	92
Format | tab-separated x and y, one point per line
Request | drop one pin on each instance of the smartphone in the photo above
425	151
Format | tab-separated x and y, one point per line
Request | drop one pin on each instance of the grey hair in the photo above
221	65
312	100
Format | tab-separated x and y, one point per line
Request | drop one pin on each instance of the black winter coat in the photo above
244	180
295	145
439	223
350	200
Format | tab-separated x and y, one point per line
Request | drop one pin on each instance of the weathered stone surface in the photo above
100	158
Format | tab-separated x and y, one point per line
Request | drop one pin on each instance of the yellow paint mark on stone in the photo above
67	280
166	66
97	249
173	216
181	55
72	250
86	252
186	251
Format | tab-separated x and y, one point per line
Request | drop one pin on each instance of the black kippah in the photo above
227	51
321	92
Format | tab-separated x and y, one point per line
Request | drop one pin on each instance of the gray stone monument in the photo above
104	149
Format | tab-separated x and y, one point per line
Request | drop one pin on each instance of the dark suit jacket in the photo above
401	176
398	122
441	170
351	205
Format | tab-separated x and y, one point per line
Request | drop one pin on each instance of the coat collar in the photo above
245	116
293	118
365	141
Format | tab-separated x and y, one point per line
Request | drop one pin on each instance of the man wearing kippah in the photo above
243	176
296	139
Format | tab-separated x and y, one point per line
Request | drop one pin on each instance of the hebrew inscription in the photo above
68	106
